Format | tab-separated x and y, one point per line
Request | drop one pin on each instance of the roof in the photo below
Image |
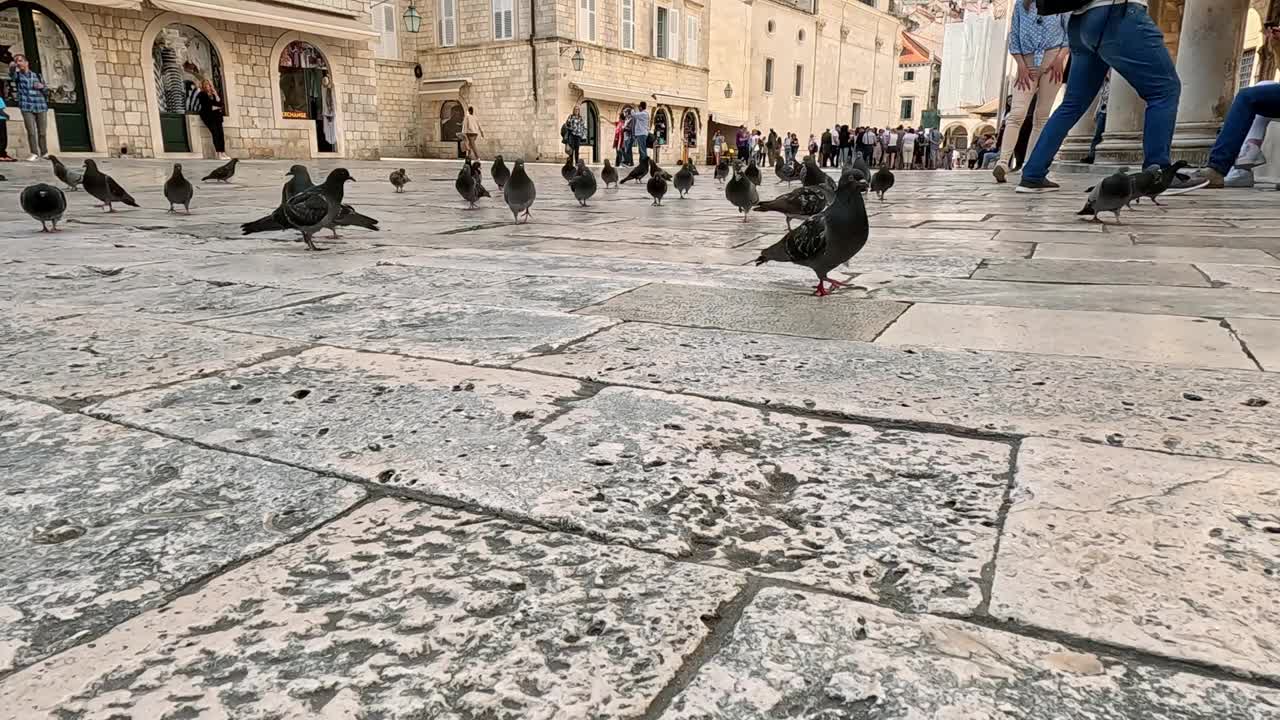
913	51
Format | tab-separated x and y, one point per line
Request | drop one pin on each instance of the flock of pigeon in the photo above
1122	189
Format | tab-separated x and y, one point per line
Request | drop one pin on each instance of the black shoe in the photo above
1037	186
999	173
1087	160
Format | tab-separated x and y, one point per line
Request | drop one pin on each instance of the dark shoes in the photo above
1037	186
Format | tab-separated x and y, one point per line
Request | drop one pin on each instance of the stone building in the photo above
803	68
919	82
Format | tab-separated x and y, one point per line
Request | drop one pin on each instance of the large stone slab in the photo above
563	294
1262	337
101	522
1225	238
770	312
1186	342
399	611
1156	253
39	282
466	333
726	236
1189	301
1254	278
1087	272
1172	555
1137	404
189	300
660	253
800	655
79	357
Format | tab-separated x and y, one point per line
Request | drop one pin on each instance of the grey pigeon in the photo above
477	174
741	192
654	170
684	178
178	190
1159	182
861	166
105	188
45	203
224	173
752	173
569	169
693	167
1109	195
519	192
799	204
639	171
72	177
299	180
609	174
499	172
722	170
826	241
583	184
812	175
399	179
348	217
308	211
466	185
882	182
656	186
783	171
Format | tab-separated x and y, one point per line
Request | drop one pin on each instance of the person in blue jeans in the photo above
640	130
1116	35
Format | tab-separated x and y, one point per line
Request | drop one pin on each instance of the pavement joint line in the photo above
892	322
1244	346
598	303
987	575
284	306
1208	280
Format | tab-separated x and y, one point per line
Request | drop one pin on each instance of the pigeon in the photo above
752	173
105	188
881	182
45	203
569	169
693	167
609	174
813	175
640	170
178	190
466	185
477	174
499	172
657	187
722	170
783	171
1109	195
741	192
654	170
1159	182
861	166
799	204
684	178
348	217
399	179
299	180
826	241
71	176
583	183
519	192
308	211
224	173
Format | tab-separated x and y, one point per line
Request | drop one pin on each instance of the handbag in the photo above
1057	7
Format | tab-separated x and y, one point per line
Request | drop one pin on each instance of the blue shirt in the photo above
29	98
1034	35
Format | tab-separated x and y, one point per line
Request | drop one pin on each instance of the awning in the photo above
277	16
987	108
729	120
680	100
591	91
118	4
443	88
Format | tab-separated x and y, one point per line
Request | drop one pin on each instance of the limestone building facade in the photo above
919	82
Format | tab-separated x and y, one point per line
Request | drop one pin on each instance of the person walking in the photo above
795	147
1099	121
33	101
825	152
619	137
640	129
471	131
717	146
1039	46
890	139
742	141
209	107
4	133
575	132
909	138
813	144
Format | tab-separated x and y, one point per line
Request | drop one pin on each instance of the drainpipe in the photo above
533	49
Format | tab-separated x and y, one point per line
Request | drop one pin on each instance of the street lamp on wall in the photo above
728	91
578	60
412	19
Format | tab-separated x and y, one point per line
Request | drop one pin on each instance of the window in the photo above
771	26
384	23
692	35
666	33
800	35
628	24
768	75
587	20
908	108
1246	67
183	58
504	23
799	80
909	76
448	23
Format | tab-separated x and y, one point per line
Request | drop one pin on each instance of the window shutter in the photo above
390	40
673	34
591	17
509	20
448	31
653	28
628	13
691	41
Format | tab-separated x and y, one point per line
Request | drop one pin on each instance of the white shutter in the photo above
591	16
389	43
448	24
691	41
587	20
503	21
509	20
653	30
379	28
628	13
673	34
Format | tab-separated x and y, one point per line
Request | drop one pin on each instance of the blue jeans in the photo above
1250	102
1124	38
1100	127
642	141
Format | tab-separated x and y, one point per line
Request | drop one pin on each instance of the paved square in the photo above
602	466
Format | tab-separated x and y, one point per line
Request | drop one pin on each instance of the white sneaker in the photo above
1251	157
34	158
1239	178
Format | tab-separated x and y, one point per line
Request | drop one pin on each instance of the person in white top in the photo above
909	148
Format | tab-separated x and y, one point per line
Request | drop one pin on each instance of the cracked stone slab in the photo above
383	418
102	522
840	316
801	655
1156	253
1225	238
1262	337
188	300
661	253
78	357
464	333
564	294
1087	272
1173	555
1253	278
727	236
904	265
399	611
39	282
1135	404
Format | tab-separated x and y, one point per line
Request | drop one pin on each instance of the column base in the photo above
1121	148
1193	141
1074	148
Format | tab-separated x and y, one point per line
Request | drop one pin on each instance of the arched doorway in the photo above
451	124
957	137
28	29
183	59
592	116
661	131
306	91
689	127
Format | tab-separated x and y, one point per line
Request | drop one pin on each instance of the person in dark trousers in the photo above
575	132
1100	123
825	151
4	134
211	111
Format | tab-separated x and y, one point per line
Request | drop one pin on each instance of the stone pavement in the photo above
600	466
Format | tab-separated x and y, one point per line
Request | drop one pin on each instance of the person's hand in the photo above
1057	69
1025	79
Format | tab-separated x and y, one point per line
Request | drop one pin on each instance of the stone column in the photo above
1208	63
1122	142
1076	144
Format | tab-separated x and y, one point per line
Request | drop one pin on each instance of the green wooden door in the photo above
173	130
29	28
